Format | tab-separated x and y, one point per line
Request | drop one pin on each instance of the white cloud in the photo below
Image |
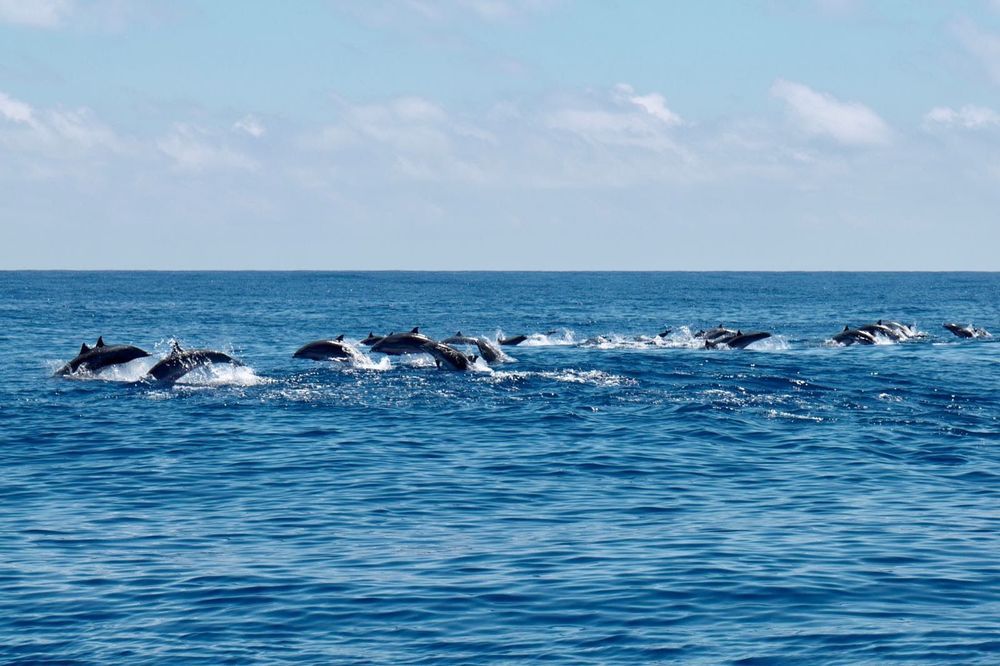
15	110
985	46
190	150
817	113
54	131
968	117
250	125
654	104
621	118
35	13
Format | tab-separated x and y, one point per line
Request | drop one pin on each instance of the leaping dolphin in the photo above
736	340
851	336
328	350
445	356
490	352
182	361
968	331
101	356
459	339
371	339
397	344
513	340
883	330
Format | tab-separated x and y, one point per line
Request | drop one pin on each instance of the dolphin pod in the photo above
180	361
869	334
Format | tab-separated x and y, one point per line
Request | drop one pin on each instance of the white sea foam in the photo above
558	337
221	374
594	377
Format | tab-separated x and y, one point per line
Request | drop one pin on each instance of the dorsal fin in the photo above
84	348
846	327
739	332
458	334
175	347
416	329
100	341
340	338
371	334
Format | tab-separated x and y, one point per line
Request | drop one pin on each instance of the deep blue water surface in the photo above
611	499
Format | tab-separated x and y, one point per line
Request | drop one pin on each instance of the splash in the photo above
213	375
558	337
127	373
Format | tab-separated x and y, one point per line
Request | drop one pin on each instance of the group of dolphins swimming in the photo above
182	361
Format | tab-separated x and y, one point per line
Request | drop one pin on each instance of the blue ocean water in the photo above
603	498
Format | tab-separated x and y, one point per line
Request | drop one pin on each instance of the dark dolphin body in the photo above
852	336
711	334
459	339
737	340
513	340
901	329
328	350
181	361
665	332
101	356
397	344
445	356
883	330
490	353
969	331
371	339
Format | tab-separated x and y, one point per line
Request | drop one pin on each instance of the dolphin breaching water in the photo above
397	344
736	340
459	339
328	350
968	331
722	336
92	359
181	361
854	336
449	357
513	340
371	339
490	352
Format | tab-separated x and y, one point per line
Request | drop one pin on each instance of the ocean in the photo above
606	497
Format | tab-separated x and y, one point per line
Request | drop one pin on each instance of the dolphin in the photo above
459	339
850	336
902	329
445	356
710	334
736	340
182	361
328	350
397	344
513	340
371	339
490	352
969	331
101	356
665	332
883	330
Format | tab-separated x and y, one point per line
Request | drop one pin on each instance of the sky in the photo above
500	135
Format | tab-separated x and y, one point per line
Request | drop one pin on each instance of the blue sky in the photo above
500	134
